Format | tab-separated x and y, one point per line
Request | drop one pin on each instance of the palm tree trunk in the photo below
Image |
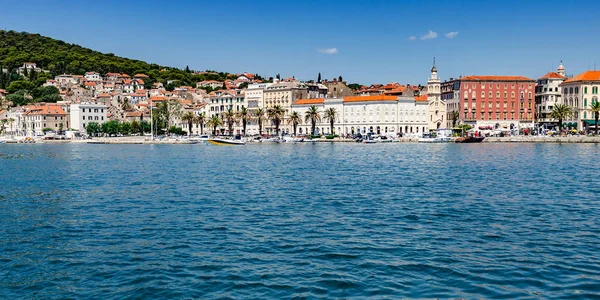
190	128
314	124
331	126
215	130
259	127
201	129
295	125
596	117
559	126
244	127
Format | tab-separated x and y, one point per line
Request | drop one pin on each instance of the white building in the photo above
378	114
580	92
210	83
83	114
255	94
92	76
547	94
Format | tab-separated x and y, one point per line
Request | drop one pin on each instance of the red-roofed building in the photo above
580	92
493	102
39	117
547	94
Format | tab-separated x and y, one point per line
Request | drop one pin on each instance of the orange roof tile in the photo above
46	110
421	98
370	98
141	75
90	83
158	98
310	101
585	76
495	78
552	75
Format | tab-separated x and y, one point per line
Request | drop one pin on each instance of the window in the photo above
584	102
505	104
506	95
482	94
497	116
512	105
490	94
512	94
498	94
585	90
490	105
482	115
482	104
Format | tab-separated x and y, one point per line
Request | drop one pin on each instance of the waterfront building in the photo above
85	113
42	116
283	94
92	76
377	114
450	94
221	101
548	93
489	102
580	92
436	107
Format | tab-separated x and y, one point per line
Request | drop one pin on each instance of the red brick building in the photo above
488	102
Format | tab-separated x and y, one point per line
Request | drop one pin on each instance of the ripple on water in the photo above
304	221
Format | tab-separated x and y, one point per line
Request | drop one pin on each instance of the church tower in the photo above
436	111
561	70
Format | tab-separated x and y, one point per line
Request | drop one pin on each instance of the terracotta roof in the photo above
138	95
2	92
90	83
421	98
495	78
133	114
46	110
158	98
370	98
585	76
552	75
141	75
104	95
310	101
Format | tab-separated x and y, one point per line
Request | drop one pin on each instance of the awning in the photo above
591	122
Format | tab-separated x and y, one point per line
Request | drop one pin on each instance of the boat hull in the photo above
470	140
223	142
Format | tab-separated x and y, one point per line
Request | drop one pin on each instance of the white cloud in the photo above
412	38
328	50
451	35
430	35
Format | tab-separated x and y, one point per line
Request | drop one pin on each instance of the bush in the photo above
177	130
331	136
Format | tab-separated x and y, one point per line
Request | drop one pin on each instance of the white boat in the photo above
289	139
225	142
271	140
429	138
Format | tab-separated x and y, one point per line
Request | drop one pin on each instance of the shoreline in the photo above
514	139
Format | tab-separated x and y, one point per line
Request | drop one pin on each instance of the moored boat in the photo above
225	142
470	139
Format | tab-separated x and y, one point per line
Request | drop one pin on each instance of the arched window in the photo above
576	90
571	91
585	90
584	102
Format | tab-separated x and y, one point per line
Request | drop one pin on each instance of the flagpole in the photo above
151	123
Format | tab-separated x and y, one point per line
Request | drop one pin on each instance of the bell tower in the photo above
436	108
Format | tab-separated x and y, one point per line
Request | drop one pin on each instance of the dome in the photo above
434	69
561	68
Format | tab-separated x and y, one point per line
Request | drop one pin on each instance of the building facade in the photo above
489	102
83	114
40	117
579	92
548	93
436	106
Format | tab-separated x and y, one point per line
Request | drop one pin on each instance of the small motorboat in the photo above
470	139
289	139
225	142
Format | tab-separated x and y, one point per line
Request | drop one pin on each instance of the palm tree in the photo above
200	119
214	122
455	115
229	118
276	114
260	116
243	116
595	108
312	115
561	112
295	119
331	114
11	121
3	123
189	118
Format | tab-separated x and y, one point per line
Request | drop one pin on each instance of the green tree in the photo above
355	86
10	121
176	130
229	117
201	120
295	119
243	115
214	122
135	127
313	115
243	85
110	128
331	114
124	128
455	115
595	108
561	112
259	114
319	78
276	115
92	129
20	85
145	126
188	117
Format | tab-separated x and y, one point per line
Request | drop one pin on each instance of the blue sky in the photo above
371	38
